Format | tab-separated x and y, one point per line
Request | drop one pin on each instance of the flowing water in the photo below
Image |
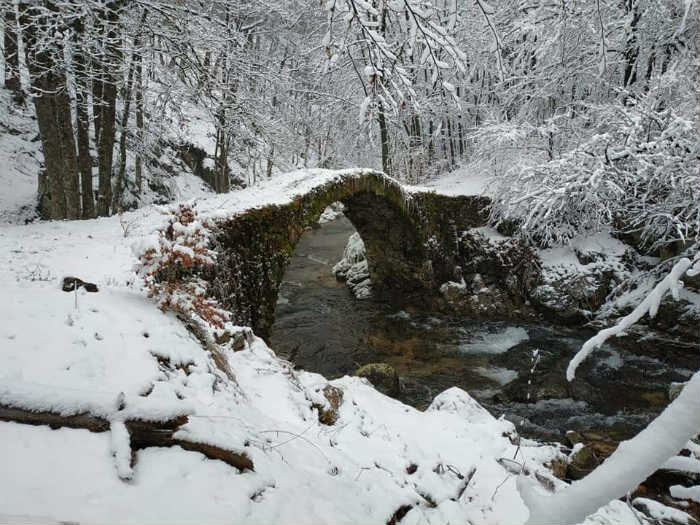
321	327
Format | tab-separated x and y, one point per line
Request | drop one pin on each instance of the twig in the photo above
499	486
295	436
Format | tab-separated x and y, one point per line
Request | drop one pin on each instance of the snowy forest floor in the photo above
71	353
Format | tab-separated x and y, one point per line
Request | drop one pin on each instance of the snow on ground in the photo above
661	512
463	181
77	352
601	244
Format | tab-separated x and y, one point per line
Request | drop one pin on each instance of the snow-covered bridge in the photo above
411	236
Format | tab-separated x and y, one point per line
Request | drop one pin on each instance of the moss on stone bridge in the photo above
411	241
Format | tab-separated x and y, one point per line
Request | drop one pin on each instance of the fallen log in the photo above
143	434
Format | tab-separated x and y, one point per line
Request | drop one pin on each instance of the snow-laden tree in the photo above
405	55
541	94
637	170
596	121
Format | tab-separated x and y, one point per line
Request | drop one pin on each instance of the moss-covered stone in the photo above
581	463
382	376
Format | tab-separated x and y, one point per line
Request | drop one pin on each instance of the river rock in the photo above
354	269
679	317
494	275
576	280
574	298
674	389
572	438
382	376
582	461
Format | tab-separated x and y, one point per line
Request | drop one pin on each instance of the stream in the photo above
321	327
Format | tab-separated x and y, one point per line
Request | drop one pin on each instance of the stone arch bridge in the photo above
411	238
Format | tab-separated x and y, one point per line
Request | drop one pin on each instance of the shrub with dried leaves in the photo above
171	268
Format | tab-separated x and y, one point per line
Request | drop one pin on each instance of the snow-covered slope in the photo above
20	160
113	354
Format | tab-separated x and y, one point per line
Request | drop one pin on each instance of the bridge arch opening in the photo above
318	321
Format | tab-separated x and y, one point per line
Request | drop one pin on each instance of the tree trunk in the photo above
221	184
59	196
83	129
70	175
460	128
12	81
126	96
451	142
270	157
384	137
631	47
107	115
138	170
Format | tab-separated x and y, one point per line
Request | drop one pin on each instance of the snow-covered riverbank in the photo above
82	352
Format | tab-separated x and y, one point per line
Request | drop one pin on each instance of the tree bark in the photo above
59	196
223	140
70	175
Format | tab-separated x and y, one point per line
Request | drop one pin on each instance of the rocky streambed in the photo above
516	369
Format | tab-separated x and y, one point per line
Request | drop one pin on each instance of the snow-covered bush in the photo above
171	267
636	459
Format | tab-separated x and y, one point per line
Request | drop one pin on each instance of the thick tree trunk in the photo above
59	191
64	125
12	81
50	205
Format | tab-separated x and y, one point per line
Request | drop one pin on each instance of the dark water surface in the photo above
321	327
